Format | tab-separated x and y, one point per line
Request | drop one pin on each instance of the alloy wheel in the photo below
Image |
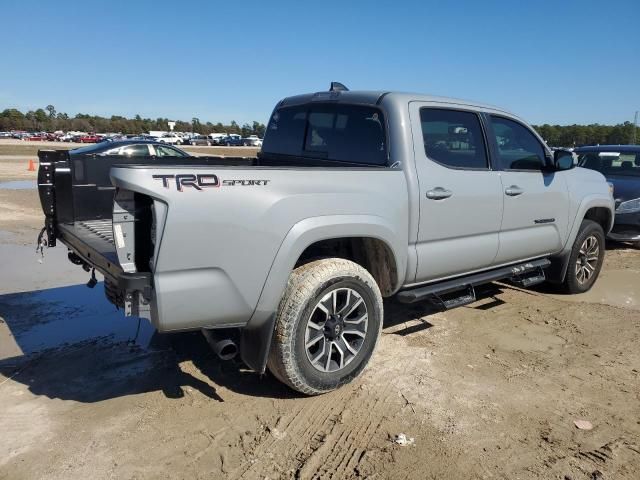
587	261
336	329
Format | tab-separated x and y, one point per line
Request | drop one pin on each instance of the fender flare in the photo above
257	334
560	262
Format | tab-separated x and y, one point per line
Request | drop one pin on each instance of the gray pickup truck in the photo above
355	196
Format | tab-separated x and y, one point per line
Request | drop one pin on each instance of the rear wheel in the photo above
328	323
585	261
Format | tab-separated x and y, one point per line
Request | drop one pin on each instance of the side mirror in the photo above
564	160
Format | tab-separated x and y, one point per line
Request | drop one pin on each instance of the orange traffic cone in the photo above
32	166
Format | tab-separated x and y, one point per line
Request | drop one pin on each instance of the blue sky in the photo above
548	61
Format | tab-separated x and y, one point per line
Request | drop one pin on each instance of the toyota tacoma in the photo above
354	197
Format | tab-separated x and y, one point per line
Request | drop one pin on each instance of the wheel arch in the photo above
600	215
372	238
374	254
595	208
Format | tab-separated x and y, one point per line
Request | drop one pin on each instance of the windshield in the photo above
611	163
342	133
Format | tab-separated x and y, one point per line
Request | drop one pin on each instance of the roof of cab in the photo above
374	97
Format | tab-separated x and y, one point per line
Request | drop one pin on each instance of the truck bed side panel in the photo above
219	243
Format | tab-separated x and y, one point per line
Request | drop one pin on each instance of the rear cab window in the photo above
353	134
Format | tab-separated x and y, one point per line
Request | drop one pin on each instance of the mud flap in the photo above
557	271
255	343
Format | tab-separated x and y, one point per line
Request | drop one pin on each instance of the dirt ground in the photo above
486	391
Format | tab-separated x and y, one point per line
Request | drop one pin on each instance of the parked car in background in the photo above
170	138
217	138
114	137
198	140
5	134
132	148
35	137
252	141
620	164
232	140
90	138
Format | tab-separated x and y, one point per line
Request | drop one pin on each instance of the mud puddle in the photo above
62	316
618	288
61	310
18	185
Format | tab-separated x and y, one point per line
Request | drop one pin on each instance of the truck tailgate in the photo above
92	240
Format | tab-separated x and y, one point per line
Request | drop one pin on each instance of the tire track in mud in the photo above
340	457
325	438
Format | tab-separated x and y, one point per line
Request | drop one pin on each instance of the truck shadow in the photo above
69	343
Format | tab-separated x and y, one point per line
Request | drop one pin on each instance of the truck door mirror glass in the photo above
564	160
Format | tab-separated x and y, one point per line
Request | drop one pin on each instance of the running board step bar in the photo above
517	273
455	299
529	279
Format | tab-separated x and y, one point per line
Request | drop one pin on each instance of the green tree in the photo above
246	130
258	129
12	119
195	125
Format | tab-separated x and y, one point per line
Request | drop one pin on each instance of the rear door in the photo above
460	194
536	200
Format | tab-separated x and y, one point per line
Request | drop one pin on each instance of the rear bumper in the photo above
626	228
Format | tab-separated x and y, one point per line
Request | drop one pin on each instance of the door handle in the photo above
439	193
514	191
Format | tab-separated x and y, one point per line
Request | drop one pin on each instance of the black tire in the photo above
575	280
289	358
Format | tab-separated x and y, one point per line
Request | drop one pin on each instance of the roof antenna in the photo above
338	87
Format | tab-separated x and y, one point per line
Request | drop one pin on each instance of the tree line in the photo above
576	135
49	120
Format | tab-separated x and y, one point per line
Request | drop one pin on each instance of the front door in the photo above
460	195
536	200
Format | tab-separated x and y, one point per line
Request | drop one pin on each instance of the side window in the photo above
453	138
164	151
518	148
135	151
113	151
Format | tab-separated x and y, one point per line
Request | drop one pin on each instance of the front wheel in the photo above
585	261
327	326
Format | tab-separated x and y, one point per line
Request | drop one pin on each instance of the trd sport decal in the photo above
205	180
